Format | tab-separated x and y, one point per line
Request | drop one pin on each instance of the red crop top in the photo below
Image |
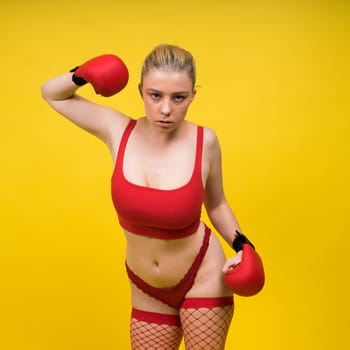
158	213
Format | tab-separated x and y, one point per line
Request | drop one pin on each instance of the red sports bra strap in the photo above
199	151
123	143
130	127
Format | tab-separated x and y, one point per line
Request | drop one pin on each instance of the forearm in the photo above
224	221
59	88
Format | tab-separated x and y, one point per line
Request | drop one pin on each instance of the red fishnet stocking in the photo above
205	322
153	331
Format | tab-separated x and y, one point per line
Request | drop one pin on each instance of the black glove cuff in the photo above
238	242
77	80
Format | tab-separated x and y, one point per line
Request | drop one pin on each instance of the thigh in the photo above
153	324
143	301
206	322
154	331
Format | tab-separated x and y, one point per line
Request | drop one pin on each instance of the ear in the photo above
140	89
193	95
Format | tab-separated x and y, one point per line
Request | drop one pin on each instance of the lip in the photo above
164	122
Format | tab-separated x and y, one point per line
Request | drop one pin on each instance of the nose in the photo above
165	108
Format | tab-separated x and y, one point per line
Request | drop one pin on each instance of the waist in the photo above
162	263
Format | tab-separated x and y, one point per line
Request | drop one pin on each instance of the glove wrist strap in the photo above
77	80
239	240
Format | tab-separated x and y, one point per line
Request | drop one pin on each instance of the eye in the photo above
155	96
179	98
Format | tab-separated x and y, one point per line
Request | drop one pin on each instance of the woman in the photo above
165	168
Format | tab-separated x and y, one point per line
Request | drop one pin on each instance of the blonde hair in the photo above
171	58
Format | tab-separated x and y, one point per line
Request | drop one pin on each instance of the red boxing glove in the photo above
247	278
107	74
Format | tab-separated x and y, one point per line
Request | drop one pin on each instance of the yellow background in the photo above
273	82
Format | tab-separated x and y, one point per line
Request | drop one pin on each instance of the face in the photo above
167	96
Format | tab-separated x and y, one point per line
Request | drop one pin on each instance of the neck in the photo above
160	136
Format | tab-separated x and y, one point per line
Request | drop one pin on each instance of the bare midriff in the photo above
162	263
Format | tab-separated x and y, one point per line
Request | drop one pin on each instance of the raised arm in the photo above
60	93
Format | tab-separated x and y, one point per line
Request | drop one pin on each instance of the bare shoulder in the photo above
210	142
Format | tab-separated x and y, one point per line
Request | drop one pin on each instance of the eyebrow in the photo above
174	93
